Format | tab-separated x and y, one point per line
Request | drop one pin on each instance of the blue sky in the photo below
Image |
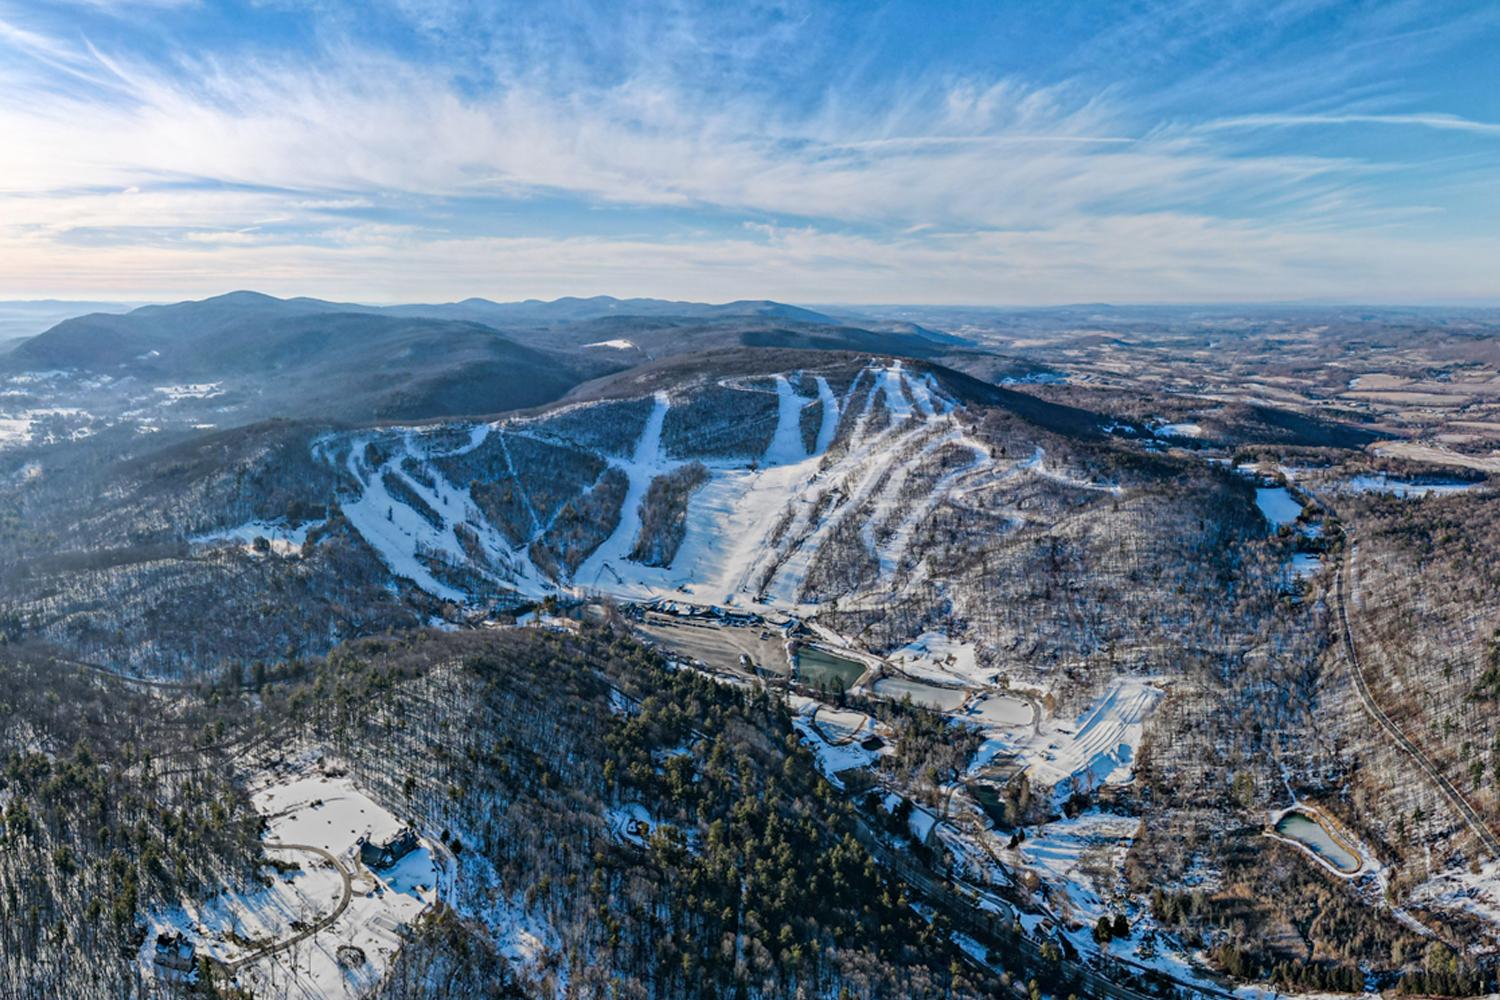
998	153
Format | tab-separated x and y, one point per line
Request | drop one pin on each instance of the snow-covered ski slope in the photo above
881	444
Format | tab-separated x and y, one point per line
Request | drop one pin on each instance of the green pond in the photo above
819	668
988	797
1305	830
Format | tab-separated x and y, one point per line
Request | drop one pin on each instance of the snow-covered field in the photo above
18	427
14	430
834	755
843	724
197	390
1083	859
1381	483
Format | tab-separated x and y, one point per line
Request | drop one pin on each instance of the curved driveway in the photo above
319	925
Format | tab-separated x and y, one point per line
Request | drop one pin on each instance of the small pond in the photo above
941	698
1277	504
1301	827
819	668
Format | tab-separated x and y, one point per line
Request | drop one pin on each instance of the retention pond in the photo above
822	669
1307	831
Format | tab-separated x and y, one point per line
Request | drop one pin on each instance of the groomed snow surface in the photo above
1098	749
727	554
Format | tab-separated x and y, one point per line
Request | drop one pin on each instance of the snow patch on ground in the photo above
618	344
934	656
195	390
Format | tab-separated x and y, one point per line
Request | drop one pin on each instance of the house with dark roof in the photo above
383	854
175	951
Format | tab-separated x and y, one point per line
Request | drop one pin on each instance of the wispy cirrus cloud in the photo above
341	151
1434	120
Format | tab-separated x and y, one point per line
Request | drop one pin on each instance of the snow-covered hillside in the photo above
812	484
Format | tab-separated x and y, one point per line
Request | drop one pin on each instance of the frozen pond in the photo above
1277	504
1299	826
1381	483
1003	710
943	699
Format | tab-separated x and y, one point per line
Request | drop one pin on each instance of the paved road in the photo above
321	924
1455	797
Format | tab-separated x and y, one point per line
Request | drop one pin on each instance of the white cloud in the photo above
152	180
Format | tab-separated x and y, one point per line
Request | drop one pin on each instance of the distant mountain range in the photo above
309	357
22	319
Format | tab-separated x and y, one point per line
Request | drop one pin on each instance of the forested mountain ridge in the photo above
928	668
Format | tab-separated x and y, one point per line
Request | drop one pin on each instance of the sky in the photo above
1016	152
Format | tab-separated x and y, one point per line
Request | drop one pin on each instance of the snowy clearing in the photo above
934	656
1084	859
1381	483
331	814
1099	749
282	538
